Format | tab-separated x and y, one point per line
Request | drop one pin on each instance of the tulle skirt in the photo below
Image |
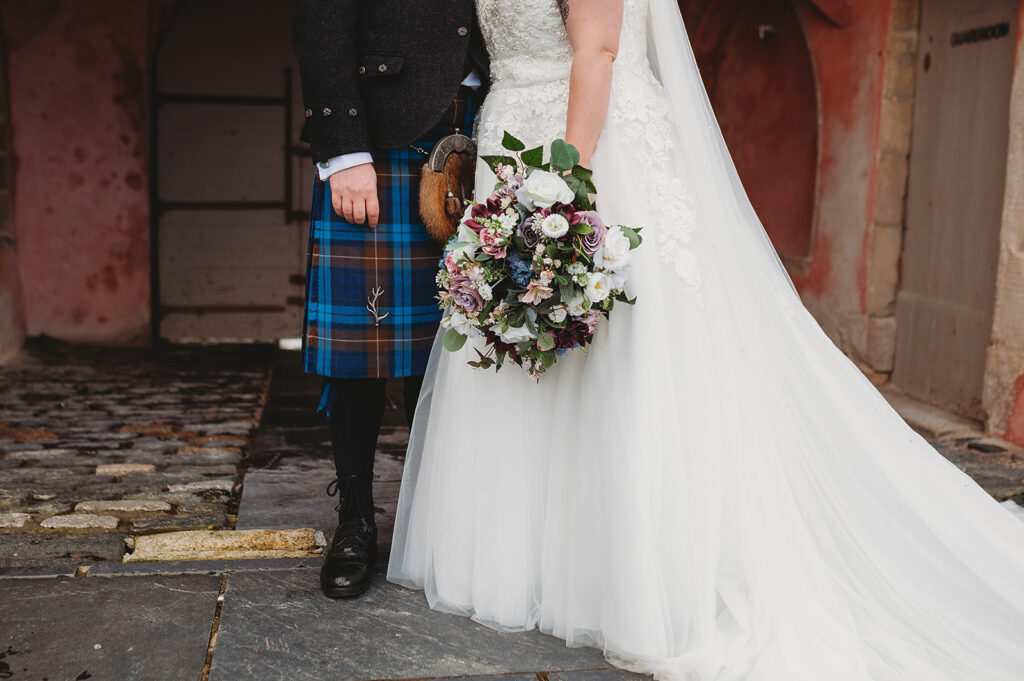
713	492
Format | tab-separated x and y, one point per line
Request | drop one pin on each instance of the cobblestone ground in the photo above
96	446
99	444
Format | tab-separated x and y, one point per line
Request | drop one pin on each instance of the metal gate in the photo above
232	182
954	201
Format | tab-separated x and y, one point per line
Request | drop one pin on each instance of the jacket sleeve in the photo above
325	42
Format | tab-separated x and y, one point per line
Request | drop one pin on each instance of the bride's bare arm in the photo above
593	27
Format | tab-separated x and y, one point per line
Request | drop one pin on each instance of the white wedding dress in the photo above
714	492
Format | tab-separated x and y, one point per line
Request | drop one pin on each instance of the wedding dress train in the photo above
714	492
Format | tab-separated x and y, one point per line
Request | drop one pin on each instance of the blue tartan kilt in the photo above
371	308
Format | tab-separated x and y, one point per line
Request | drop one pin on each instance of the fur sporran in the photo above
446	184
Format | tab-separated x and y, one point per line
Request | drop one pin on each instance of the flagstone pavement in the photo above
100	449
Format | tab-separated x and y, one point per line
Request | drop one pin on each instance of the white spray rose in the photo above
462	324
543	189
614	254
558	313
515	334
598	287
554	226
578	305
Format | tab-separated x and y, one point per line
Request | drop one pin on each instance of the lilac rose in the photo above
529	234
593	241
464	294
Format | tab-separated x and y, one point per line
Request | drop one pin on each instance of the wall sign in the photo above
980	35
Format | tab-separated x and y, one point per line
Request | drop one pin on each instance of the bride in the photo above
713	492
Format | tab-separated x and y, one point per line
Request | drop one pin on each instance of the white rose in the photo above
554	226
597	288
543	189
515	334
614	254
485	291
463	325
558	313
578	305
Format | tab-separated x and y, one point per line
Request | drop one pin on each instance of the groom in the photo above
382	81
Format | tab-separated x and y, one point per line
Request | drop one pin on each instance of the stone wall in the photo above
897	115
1003	397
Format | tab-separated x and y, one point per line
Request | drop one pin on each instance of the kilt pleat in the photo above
371	308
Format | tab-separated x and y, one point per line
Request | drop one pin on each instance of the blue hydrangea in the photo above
519	269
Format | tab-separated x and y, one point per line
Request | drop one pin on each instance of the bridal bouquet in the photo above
532	269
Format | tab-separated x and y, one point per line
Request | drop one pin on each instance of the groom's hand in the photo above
354	194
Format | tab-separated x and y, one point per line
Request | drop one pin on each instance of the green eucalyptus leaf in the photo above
545	341
453	340
563	155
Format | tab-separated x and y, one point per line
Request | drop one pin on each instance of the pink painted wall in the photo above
78	90
850	64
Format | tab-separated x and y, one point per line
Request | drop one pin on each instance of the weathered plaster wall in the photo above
1003	397
78	88
850	64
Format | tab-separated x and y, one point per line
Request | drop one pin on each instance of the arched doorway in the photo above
757	69
231	182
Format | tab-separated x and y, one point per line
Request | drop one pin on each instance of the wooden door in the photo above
233	184
955	200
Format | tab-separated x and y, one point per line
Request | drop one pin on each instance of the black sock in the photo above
355	423
410	395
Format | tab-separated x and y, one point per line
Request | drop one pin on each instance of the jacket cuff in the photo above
337	129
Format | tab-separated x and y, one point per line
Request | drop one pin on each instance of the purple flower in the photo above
593	241
464	294
529	234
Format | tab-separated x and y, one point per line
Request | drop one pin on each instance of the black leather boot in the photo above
348	566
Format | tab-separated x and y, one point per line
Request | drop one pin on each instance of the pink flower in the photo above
493	245
535	293
450	264
591	320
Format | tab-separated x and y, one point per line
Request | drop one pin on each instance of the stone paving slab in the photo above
278	625
152	629
198	567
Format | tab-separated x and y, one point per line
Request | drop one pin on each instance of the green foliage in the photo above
533	157
494	161
452	341
511	143
563	155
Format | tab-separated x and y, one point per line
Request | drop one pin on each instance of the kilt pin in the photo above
371	308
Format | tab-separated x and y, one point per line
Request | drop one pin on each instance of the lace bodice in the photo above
531	58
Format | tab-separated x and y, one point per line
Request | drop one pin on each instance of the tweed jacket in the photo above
378	74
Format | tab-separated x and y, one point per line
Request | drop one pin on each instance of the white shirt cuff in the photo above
343	162
473	80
